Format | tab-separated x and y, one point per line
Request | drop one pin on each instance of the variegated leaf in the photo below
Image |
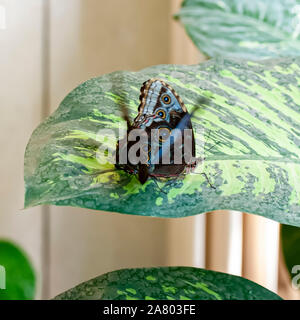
168	283
255	29
252	112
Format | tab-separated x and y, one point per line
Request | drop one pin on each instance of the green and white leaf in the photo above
255	29
290	237
168	283
253	112
17	277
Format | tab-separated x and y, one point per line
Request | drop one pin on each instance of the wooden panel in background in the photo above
224	241
21	110
260	251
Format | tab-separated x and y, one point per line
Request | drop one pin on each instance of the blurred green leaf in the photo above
255	29
252	112
290	237
168	283
16	273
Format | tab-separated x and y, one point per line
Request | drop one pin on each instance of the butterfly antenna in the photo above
200	102
214	145
209	134
194	110
199	159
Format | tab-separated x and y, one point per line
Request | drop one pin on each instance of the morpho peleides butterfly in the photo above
160	142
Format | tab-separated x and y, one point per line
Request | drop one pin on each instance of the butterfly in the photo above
161	111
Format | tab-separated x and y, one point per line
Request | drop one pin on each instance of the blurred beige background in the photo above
48	47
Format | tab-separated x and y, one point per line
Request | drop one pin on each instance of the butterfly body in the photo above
164	120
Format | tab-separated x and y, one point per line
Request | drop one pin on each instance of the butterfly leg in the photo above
191	169
208	181
155	181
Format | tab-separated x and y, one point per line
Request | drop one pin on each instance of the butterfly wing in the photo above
161	108
158	100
